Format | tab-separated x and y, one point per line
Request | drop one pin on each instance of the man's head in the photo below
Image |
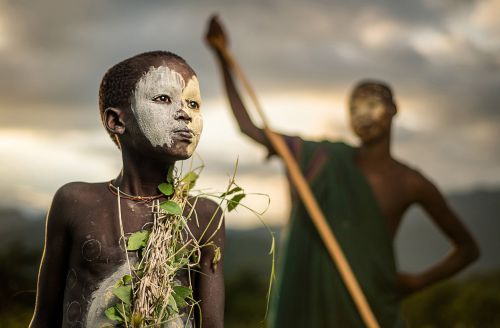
371	108
150	103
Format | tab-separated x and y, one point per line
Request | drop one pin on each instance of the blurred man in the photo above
363	193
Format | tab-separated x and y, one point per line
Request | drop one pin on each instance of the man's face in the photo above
370	117
167	110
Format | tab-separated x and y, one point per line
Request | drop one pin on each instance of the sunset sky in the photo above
442	59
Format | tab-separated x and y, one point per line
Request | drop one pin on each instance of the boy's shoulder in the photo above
72	197
73	201
76	192
208	218
204	204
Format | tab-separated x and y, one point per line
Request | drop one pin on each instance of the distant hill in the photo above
247	251
472	300
418	244
18	227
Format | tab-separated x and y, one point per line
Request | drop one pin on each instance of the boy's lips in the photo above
184	133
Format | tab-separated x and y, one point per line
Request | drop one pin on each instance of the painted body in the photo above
103	298
155	122
93	256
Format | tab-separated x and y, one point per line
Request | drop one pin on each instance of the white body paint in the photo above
103	299
158	121
369	116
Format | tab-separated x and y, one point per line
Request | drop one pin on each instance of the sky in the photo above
442	59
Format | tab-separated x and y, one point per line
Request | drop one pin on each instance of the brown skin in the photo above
82	232
396	186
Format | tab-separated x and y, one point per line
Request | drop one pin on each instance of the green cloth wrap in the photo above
310	291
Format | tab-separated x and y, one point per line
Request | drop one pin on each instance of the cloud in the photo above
441	57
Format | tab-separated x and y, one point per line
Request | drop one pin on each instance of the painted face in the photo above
370	117
167	110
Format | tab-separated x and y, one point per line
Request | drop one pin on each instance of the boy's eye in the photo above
193	104
163	99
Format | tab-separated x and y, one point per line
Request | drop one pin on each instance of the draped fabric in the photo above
309	291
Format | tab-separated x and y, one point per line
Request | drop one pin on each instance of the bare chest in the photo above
98	258
391	194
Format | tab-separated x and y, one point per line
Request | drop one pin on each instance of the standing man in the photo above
363	193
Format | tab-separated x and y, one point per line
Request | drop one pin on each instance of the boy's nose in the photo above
182	115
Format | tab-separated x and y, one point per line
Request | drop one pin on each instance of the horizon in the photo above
441	59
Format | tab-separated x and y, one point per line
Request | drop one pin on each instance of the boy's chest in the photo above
98	257
97	236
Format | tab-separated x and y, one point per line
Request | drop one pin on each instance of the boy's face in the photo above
166	106
370	117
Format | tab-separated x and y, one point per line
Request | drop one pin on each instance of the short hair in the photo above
374	88
118	83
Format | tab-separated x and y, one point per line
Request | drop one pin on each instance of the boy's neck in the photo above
141	175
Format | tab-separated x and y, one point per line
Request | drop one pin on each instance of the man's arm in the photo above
210	281
465	249
53	267
217	40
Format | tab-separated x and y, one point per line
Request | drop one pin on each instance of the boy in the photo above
150	106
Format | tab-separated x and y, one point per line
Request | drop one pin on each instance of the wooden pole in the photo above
310	202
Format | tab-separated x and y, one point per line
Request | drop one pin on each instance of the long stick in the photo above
310	203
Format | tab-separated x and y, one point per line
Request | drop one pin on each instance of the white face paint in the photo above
159	97
370	117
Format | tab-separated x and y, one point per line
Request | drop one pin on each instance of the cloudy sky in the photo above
303	57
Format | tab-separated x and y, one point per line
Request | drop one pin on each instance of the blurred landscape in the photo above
470	300
442	59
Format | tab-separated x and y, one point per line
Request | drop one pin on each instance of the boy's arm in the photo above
210	281
53	267
465	249
217	40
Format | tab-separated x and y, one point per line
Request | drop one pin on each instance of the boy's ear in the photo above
394	109
114	120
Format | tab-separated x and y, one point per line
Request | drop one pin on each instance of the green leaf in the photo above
182	291
124	293
172	303
118	283
232	191
180	294
235	201
181	258
166	188
124	310
171	207
127	279
190	179
137	240
170	174
217	257
113	314
190	176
